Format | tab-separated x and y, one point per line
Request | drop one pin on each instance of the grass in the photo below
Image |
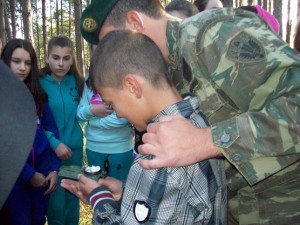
85	214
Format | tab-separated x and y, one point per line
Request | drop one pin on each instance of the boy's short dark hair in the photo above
124	52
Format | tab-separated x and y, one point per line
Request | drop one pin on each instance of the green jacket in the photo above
247	80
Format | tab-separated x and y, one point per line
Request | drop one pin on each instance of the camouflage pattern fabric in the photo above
248	83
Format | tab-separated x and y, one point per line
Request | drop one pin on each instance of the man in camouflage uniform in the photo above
247	80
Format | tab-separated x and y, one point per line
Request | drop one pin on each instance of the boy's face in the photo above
126	105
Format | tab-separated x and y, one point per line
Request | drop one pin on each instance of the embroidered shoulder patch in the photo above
245	48
141	211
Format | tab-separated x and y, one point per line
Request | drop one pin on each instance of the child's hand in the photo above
81	188
115	186
63	152
38	180
101	110
52	179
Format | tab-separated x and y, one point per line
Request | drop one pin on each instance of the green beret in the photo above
93	17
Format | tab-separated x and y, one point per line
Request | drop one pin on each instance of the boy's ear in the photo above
132	84
135	21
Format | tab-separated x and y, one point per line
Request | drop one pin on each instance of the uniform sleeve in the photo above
254	82
247	82
261	143
105	209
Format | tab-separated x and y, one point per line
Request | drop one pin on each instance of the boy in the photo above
138	88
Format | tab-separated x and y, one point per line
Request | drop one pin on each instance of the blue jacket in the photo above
42	158
63	100
107	135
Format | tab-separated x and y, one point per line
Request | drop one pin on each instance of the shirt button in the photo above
236	157
225	138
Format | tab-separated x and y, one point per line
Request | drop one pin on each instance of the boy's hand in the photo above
81	188
52	179
115	186
85	186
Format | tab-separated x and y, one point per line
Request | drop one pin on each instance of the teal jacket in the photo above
63	100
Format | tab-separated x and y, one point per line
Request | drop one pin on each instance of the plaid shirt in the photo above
193	194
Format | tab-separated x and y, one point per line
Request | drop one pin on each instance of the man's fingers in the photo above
147	149
150	164
169	118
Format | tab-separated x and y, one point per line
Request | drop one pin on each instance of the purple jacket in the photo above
42	158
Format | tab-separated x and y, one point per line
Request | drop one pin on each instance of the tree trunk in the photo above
288	22
44	28
70	9
277	12
12	4
51	24
7	26
2	22
27	19
228	3
298	10
78	39
37	27
265	4
57	19
61	17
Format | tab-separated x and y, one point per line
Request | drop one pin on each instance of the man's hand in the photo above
63	152
175	141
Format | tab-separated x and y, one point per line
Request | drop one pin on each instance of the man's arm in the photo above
268	137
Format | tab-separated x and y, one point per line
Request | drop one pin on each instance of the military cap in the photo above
93	17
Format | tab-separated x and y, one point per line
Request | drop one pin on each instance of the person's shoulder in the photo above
68	79
216	15
46	78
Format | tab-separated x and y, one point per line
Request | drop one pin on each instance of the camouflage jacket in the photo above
247	81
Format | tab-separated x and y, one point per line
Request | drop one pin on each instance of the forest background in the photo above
39	20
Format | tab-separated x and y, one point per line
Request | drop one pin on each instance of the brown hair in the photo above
109	66
117	16
32	81
63	41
